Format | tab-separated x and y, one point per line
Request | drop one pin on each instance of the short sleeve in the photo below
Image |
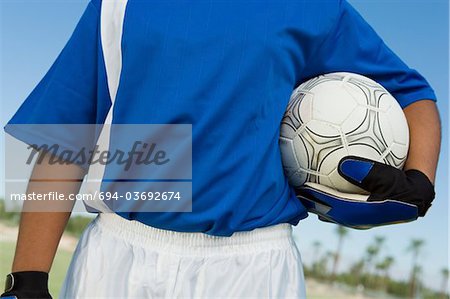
353	46
73	92
69	92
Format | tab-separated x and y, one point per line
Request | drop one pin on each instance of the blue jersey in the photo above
226	67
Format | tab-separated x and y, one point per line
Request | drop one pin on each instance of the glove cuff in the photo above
424	182
27	284
423	186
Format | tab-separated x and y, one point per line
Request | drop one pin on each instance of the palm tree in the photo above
417	288
322	264
371	253
376	248
379	242
388	262
342	232
384	266
445	276
357	270
415	247
316	251
316	268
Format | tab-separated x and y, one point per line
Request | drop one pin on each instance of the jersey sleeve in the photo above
352	45
67	94
73	91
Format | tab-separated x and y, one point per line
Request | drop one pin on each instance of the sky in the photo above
34	32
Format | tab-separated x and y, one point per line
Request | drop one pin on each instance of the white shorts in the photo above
117	258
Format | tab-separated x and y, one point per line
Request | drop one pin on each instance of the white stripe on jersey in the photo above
111	28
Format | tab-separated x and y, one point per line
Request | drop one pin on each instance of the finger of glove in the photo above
379	179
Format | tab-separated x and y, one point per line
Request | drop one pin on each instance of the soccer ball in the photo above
336	115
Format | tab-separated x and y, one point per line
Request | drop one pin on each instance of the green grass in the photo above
57	274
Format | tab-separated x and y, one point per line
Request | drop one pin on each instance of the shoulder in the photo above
317	17
97	4
324	8
328	11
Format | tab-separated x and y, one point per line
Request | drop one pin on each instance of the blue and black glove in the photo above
395	195
26	284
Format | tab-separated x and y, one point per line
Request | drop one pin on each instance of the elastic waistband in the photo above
276	236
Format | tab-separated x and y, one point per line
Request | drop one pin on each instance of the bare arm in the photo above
40	232
425	137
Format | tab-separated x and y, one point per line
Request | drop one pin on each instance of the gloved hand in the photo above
395	195
387	182
27	284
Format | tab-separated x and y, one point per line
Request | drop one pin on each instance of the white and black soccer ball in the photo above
336	115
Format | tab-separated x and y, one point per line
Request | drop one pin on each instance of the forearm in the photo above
40	232
39	236
425	137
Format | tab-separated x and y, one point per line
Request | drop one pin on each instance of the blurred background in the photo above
400	261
